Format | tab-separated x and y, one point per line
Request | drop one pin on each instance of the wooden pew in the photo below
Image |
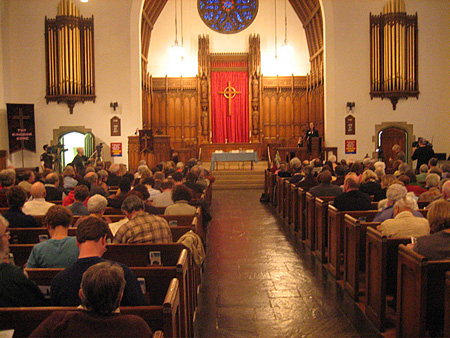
310	219
355	252
286	203
336	236
420	294
273	190
293	213
381	274
300	211
447	305
165	317
321	227
279	194
157	280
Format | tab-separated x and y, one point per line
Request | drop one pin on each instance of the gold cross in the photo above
229	93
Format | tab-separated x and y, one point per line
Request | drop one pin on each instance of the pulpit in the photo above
316	147
161	152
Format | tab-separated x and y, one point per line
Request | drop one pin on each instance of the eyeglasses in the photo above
6	234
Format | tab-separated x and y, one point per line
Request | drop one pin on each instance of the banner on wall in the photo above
350	146
116	149
21	128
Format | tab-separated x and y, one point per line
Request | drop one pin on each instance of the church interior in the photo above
144	79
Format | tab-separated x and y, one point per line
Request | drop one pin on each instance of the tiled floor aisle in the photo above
257	285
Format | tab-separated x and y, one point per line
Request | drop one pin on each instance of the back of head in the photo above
27	175
159	175
396	192
412	176
435	170
332	159
351	182
177	177
166	184
92	229
368	175
91	177
405	203
57	215
380	164
81	192
438	215
143	190
339	171
181	193
379	171
386	180
97	203
132	203
432	180
125	185
357	168
52	178
16	197
433	162
423	168
295	163
324	176
396	148
7	177
309	170
102	286
37	190
446	190
403	168
404	179
190	177
68	171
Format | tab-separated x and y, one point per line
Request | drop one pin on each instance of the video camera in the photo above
54	149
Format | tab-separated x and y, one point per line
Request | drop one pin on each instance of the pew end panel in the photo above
310	220
301	229
321	227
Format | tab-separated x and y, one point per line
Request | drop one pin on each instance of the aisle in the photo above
257	285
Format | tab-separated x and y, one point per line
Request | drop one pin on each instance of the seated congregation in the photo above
370	226
61	243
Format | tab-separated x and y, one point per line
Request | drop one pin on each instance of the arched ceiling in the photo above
308	11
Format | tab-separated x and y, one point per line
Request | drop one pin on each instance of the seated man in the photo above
37	205
394	193
28	178
352	198
16	198
15	288
181	197
96	206
141	227
7	181
78	208
61	250
101	291
405	224
325	188
91	240
51	187
165	198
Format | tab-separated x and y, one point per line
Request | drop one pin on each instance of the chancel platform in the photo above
243	156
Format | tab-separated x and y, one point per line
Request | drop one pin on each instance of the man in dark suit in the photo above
51	188
325	188
422	153
352	198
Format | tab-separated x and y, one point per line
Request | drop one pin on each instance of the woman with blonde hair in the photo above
438	215
369	184
69	181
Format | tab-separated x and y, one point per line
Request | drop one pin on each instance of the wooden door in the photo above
389	137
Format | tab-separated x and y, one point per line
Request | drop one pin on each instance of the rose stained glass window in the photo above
228	16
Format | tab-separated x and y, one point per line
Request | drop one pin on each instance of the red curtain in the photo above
226	128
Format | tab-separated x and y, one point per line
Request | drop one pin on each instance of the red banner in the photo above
229	104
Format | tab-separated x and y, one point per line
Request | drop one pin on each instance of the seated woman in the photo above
437	245
181	197
101	291
69	181
16	198
15	288
61	250
369	183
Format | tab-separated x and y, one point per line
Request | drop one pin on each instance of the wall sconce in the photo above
350	106
114	105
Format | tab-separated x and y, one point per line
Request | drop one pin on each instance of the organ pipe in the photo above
69	49
393	38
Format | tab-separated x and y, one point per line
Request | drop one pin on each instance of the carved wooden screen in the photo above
175	109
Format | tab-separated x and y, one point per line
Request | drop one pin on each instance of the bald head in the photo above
446	190
37	190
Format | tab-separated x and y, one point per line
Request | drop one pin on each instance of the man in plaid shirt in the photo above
141	227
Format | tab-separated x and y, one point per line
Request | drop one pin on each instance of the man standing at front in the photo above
141	227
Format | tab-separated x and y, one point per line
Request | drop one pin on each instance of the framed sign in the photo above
350	146
115	126
116	149
350	125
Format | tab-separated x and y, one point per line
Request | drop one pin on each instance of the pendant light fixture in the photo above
177	49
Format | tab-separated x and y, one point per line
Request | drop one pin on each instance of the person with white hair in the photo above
96	206
405	224
422	175
15	288
433	193
395	192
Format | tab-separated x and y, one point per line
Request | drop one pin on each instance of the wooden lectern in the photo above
161	151
316	147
